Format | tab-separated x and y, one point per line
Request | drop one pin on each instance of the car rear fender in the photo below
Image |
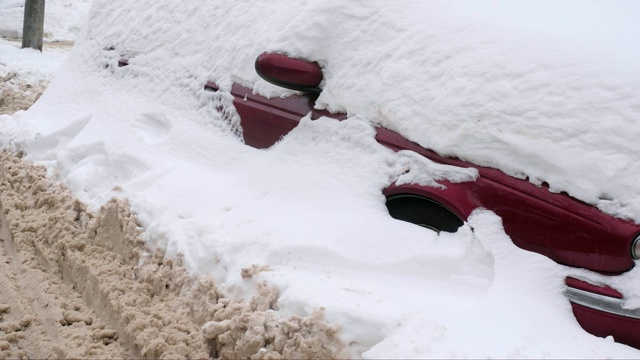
453	196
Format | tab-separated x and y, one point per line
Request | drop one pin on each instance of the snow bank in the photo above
84	285
309	211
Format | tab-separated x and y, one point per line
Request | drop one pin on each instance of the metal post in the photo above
33	28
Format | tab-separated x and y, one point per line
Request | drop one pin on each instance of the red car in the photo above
562	228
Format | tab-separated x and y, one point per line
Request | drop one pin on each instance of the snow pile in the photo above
309	211
63	19
129	302
544	90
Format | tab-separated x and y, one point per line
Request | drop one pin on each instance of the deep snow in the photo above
491	84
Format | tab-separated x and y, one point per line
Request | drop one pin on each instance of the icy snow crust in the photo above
527	89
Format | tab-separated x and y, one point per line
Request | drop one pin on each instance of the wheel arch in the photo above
455	197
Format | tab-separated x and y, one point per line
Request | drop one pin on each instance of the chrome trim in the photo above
600	302
635	248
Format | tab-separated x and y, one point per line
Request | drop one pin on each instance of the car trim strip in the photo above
601	303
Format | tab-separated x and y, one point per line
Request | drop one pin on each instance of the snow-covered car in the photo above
556	225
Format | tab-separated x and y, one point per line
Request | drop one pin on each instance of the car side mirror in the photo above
294	74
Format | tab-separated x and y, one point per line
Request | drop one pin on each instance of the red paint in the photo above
602	290
290	73
624	330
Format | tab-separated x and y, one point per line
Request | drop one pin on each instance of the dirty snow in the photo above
130	301
24	74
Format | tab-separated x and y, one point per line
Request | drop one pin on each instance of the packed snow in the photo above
544	90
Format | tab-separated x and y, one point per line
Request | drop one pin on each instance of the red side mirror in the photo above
295	74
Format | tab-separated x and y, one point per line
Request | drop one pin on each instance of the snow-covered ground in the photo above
25	74
547	90
63	18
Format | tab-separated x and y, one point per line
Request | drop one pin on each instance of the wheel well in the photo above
423	211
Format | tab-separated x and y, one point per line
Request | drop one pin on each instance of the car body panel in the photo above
623	329
564	229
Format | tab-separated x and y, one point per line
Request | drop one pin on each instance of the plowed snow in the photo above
16	94
19	92
79	284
